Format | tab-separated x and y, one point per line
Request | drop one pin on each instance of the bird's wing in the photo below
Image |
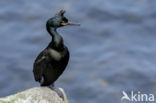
39	66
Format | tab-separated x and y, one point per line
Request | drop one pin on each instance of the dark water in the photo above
113	49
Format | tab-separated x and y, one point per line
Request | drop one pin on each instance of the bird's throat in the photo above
57	40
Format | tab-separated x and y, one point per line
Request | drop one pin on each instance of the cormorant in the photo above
52	61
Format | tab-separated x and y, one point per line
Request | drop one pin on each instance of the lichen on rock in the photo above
35	95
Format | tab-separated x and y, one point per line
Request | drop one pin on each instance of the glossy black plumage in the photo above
52	61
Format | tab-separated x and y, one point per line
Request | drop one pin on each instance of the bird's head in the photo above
59	20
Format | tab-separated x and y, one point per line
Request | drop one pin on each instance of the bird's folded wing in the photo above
39	65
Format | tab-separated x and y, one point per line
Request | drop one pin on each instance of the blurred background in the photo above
112	51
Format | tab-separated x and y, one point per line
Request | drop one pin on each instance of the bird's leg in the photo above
59	92
42	81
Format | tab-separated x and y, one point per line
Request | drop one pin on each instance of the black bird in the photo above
52	61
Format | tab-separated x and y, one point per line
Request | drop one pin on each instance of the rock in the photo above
35	95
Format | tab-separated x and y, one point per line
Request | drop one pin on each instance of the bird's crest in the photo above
61	12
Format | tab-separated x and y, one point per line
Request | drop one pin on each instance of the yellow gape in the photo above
64	24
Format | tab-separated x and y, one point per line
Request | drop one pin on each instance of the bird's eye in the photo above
65	20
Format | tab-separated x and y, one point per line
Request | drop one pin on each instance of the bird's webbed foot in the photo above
58	91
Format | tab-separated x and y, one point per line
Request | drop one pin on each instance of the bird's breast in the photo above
57	55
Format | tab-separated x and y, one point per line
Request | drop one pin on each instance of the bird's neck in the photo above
57	40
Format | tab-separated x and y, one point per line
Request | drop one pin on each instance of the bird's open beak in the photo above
64	24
